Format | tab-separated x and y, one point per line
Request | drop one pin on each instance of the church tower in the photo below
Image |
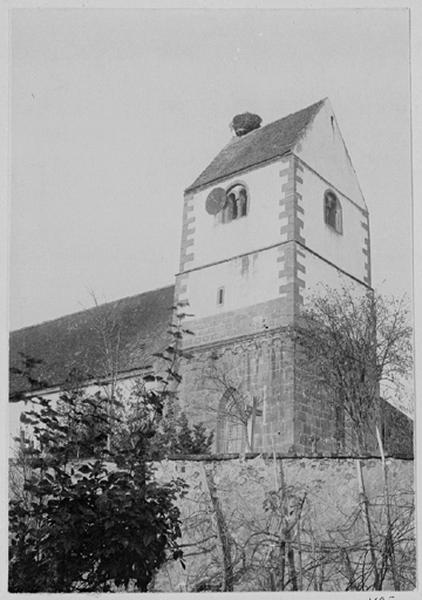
278	211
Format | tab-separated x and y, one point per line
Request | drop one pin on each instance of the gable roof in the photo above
260	145
124	333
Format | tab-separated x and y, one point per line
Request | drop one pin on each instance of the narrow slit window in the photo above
243	203
232	207
220	296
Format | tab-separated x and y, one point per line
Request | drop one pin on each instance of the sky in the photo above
115	112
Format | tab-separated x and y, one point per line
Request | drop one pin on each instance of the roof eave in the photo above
201	186
58	387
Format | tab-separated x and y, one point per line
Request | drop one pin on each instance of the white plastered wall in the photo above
323	149
343	249
247	280
320	276
16	409
214	241
124	388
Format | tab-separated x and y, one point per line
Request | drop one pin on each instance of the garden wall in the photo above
273	523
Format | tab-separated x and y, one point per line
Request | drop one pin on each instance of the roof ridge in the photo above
91	308
303	130
241	138
292	114
237	151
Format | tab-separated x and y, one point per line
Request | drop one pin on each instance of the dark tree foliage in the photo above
91	516
176	437
88	525
195	440
173	434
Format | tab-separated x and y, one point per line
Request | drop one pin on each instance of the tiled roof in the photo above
260	145
129	331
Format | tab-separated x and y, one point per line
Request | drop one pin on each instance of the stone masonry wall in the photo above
258	366
227	326
324	494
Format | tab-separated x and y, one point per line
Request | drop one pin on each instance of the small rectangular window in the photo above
220	296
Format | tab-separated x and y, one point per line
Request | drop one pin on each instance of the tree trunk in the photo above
292	567
367	520
299	543
286	530
389	535
349	569
222	532
282	564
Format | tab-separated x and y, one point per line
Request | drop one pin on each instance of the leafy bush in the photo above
88	525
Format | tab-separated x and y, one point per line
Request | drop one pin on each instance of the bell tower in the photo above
276	212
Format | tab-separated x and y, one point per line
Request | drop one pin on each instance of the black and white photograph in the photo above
211	356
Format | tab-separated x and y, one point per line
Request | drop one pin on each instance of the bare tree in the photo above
355	348
107	329
264	526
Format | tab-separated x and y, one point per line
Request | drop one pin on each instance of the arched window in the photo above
239	423
230	427
332	211
236	205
